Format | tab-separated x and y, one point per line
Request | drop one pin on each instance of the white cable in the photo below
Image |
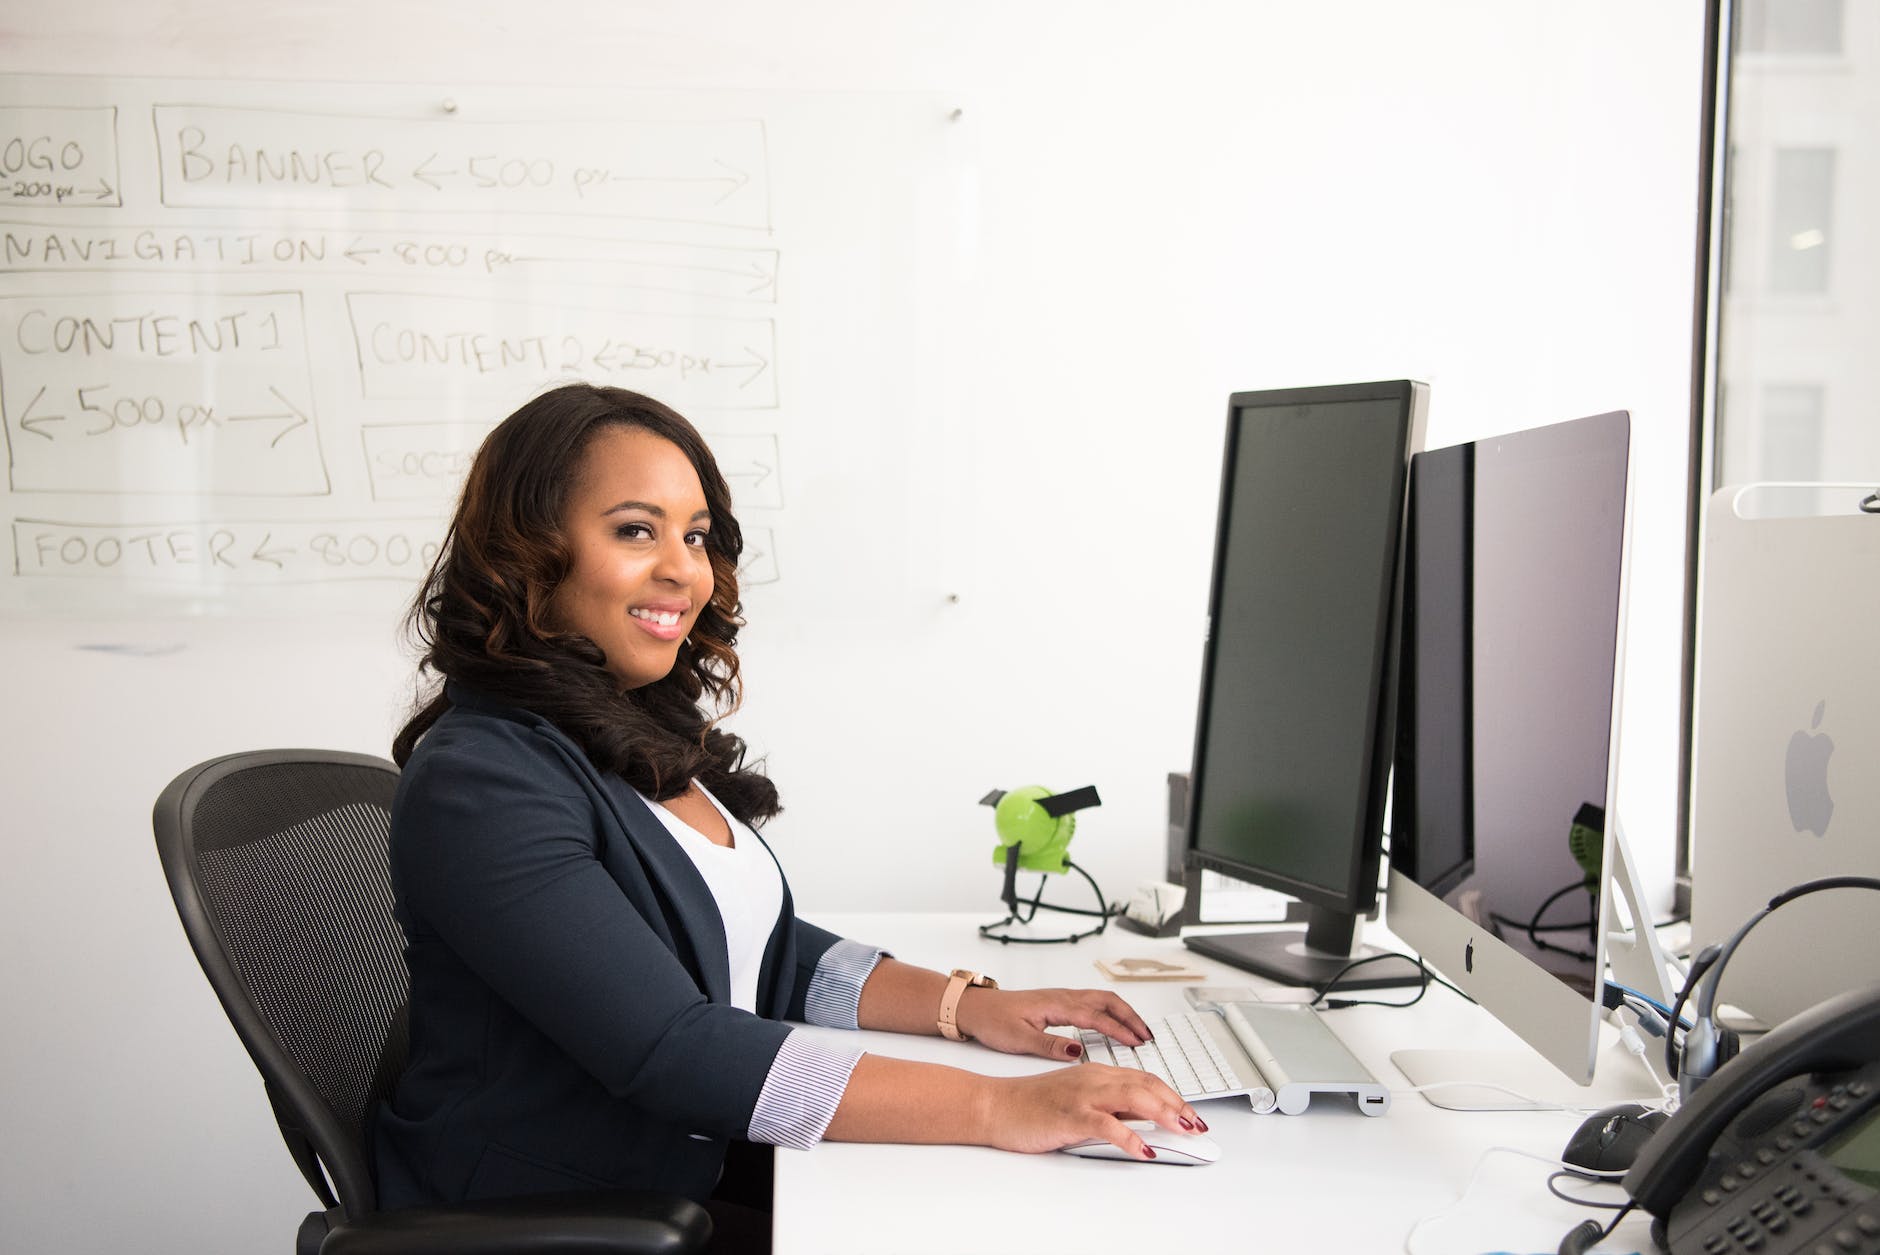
1409	1239
1629	1038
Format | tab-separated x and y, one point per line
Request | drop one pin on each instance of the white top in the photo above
747	884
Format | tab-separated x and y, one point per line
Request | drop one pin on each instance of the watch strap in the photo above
957	984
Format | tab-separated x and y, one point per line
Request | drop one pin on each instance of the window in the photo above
1806	27
1801	203
1790	447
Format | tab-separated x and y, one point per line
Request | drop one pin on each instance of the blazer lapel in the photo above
678	879
669	868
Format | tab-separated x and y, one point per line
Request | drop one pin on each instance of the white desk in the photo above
1327	1180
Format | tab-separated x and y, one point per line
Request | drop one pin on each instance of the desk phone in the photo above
1780	1150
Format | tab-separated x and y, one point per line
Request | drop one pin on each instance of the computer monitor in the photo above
1507	728
1293	730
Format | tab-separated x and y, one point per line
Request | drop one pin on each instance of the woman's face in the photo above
635	522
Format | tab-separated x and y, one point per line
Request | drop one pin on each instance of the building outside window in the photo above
1797	371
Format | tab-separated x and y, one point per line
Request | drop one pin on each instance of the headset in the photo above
1709	1045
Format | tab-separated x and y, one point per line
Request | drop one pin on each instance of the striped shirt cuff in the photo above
834	996
799	1098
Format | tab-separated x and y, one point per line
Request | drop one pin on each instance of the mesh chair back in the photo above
278	863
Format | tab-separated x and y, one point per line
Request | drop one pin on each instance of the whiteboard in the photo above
250	338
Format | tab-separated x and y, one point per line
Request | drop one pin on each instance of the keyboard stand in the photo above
1300	1056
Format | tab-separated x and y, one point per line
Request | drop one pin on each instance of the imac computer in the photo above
1293	731
1506	747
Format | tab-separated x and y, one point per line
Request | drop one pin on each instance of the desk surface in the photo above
1330	1179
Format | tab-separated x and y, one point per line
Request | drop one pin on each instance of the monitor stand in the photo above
1520	1080
1310	958
1633	959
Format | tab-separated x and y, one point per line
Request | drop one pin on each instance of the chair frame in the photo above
607	1223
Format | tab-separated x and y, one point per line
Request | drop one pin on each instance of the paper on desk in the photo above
1148	969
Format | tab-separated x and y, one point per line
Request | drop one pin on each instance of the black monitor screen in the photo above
1288	773
1510	626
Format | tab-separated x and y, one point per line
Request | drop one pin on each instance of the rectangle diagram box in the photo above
413	347
420	461
59	157
708	172
228	552
159	392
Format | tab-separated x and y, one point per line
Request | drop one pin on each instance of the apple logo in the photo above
1468	956
1810	806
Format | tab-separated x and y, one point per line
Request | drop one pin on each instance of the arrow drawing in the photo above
741	179
757	474
736	178
604	356
424	175
264	554
105	191
354	253
298	419
764	279
29	423
759	366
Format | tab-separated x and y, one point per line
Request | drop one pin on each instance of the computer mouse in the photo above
1610	1139
1188	1149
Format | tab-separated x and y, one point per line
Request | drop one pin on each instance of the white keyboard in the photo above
1278	1054
1193	1052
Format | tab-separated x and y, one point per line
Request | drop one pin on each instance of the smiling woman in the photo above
605	958
555	509
636	526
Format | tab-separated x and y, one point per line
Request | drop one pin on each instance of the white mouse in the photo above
1188	1149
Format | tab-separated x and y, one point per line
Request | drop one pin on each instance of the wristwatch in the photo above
950	1000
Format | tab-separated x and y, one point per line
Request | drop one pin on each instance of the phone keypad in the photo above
1767	1191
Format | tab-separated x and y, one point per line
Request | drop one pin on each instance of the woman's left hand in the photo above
1015	1020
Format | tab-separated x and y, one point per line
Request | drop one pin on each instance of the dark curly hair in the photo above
483	619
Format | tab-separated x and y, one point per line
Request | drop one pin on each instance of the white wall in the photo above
1160	207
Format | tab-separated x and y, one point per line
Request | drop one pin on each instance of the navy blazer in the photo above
571	1025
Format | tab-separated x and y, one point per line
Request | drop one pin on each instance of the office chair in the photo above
277	861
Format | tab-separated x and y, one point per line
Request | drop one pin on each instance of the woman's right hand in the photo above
1089	1100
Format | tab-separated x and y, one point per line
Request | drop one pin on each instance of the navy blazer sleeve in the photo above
811	944
500	854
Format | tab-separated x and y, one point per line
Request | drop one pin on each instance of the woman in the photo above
603	953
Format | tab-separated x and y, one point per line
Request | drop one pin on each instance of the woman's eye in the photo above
633	531
696	539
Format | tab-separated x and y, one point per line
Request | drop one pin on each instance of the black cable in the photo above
1452	989
1588	1233
1581	1202
1533	927
1339	1004
1567	928
1339	975
1426	976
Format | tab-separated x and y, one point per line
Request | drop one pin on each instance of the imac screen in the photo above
1512	597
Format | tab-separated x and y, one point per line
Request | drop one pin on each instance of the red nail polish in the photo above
1148	1152
1202	1123
1073	1050
1185	1123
